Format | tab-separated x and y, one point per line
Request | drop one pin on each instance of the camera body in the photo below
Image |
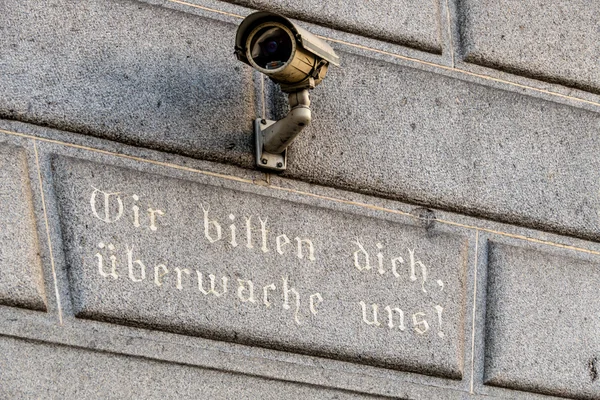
285	52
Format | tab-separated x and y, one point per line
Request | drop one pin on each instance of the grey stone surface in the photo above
309	259
52	371
196	350
156	77
130	72
542	329
426	138
409	22
556	41
21	280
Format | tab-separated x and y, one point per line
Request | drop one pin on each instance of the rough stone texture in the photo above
556	41
414	23
71	373
427	138
162	76
332	279
21	281
542	330
127	71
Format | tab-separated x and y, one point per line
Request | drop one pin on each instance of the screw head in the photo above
279	164
264	161
263	121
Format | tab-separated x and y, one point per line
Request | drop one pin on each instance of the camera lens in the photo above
271	47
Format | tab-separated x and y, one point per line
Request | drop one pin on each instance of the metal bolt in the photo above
263	121
279	164
264	161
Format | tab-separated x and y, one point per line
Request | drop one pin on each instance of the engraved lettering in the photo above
158	275
213	232
421	326
113	261
152	213
380	259
361	262
136	211
374	309
311	249
212	289
281	241
413	264
130	264
242	288
357	253
313	303
264	232
233	230
107	215
178	271
395	262
286	304
390	312
266	294
249	233
439	310
403	267
208	224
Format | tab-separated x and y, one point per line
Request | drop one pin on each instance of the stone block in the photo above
550	40
21	279
448	143
542	325
238	262
409	22
61	372
130	72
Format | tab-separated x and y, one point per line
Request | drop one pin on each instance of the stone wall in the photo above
434	237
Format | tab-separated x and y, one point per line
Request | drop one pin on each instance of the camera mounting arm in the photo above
273	137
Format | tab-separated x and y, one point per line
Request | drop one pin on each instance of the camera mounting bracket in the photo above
264	159
273	137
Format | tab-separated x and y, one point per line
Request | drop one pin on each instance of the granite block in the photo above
542	325
240	264
409	22
21	278
555	41
442	142
60	372
130	72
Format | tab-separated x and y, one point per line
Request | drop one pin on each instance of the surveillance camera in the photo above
285	52
295	59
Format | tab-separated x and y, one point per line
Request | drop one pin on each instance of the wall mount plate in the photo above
265	160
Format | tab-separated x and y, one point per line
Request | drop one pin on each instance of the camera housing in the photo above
285	52
295	59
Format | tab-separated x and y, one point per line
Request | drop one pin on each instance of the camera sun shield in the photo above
288	54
